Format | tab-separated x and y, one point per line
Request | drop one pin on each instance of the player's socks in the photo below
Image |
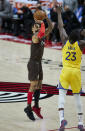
36	97
29	97
61	115
80	118
80	122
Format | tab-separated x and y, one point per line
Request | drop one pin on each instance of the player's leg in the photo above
33	77
61	102
28	109
79	111
76	88
36	107
37	93
63	86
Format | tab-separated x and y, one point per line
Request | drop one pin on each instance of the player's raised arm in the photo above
49	28
63	34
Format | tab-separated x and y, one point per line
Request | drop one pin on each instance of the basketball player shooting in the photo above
34	66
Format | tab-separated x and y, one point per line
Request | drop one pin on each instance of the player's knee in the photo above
33	86
32	89
39	84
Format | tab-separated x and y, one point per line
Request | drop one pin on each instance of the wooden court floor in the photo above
13	61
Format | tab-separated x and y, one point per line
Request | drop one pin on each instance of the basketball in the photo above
39	15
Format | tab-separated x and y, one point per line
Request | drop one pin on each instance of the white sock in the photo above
79	109
61	115
61	101
80	119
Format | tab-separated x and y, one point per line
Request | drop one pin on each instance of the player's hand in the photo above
38	21
58	7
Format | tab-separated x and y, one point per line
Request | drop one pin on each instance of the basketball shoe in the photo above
29	113
81	127
37	111
63	124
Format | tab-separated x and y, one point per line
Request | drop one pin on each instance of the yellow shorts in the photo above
71	77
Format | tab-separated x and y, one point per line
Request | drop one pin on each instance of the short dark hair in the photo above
74	36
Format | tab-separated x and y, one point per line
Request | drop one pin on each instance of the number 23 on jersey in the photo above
71	56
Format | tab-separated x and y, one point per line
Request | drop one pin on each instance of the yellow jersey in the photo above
71	55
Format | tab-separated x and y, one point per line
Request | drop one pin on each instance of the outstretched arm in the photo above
63	34
39	32
49	29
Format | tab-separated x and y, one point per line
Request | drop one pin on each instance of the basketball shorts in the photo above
71	77
35	71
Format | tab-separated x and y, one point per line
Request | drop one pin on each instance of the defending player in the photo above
70	74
